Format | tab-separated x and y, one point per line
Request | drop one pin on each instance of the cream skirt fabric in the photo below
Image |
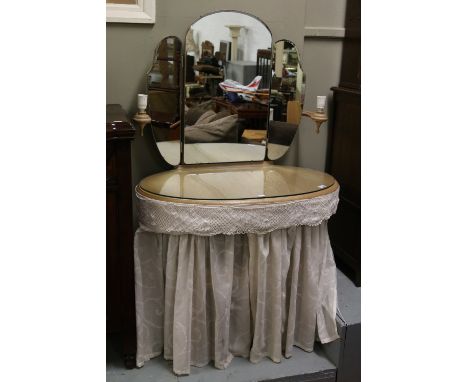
203	298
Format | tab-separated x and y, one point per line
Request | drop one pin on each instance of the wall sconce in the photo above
319	115
141	118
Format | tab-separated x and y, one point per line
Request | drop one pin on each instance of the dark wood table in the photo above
120	284
242	109
255	113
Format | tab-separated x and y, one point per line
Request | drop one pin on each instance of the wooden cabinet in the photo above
120	297
344	150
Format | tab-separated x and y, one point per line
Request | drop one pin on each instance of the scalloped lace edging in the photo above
180	218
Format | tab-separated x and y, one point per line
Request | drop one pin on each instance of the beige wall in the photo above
321	59
308	23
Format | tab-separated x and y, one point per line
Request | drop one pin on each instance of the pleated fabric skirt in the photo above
209	298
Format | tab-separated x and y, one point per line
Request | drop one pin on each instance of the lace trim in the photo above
205	220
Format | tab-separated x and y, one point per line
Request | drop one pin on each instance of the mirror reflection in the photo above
228	68
163	83
287	98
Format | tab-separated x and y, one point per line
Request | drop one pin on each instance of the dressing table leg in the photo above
129	345
130	361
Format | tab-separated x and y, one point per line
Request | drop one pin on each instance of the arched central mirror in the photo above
226	89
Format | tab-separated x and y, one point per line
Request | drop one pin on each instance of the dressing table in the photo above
232	255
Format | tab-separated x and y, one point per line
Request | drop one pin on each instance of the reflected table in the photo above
234	260
218	152
245	110
255	113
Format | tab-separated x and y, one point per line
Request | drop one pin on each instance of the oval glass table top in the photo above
236	182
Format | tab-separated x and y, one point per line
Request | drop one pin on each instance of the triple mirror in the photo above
228	94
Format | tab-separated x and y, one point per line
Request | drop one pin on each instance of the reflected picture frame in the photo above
131	11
